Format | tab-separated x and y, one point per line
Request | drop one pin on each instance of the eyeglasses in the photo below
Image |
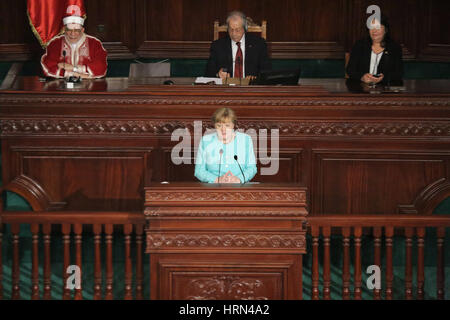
226	125
73	30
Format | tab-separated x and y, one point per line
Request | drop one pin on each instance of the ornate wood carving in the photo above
31	191
223	212
231	287
184	100
249	240
286	128
232	196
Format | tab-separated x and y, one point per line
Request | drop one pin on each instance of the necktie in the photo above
238	62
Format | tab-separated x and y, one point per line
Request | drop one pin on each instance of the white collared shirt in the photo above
374	62
234	49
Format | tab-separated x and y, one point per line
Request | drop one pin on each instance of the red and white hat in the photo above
73	15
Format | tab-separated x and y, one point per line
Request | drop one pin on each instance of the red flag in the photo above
46	16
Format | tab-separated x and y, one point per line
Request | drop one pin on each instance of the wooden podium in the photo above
218	241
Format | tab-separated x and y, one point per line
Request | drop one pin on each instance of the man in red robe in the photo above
74	53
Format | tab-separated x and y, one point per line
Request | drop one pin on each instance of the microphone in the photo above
64	56
220	163
236	159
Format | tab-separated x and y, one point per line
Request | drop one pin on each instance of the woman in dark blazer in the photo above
376	58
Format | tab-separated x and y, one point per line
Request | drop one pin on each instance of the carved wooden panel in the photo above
434	40
357	182
113	22
226	277
80	178
316	29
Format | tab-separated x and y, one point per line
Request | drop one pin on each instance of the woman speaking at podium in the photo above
225	156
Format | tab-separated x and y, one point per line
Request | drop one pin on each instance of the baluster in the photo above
35	262
66	228
326	262
420	262
389	233
1	258
97	262
440	278
315	263
127	229
15	230
357	232
109	262
377	232
78	229
409	232
139	271
46	230
346	264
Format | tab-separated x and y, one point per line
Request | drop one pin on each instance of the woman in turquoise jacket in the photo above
226	156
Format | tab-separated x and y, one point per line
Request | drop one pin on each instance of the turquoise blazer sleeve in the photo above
201	170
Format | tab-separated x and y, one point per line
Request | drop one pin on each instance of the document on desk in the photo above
205	80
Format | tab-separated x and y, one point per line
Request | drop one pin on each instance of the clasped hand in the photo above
228	178
223	74
69	68
368	78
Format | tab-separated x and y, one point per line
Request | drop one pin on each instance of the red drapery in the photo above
46	16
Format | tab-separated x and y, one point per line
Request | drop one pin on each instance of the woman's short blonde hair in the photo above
222	114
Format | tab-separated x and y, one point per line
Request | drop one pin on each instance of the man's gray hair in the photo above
239	14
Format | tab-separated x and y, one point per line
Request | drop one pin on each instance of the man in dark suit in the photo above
240	54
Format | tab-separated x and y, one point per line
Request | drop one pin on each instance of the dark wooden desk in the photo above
210	241
96	146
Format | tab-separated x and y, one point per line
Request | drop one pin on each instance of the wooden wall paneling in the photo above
17	42
402	17
432	31
113	22
76	169
353	182
305	29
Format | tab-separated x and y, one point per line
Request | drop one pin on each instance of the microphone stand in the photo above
236	159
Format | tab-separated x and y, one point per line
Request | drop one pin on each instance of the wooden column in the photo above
66	228
357	283
389	233
440	278
78	230
97	229
420	262
35	262
346	263
315	262
409	232
47	229
15	230
377	232
326	231
127	230
109	262
139	261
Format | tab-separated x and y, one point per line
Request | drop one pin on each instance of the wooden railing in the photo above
352	227
71	226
